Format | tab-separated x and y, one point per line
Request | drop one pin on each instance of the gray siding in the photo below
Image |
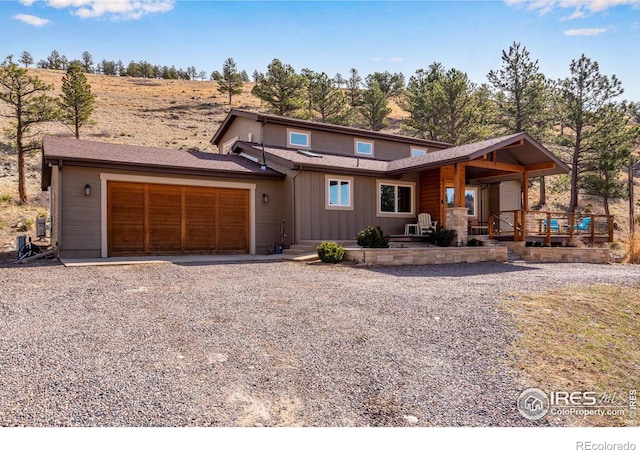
340	144
315	222
79	220
54	214
241	128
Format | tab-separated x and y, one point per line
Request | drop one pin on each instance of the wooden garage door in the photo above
164	219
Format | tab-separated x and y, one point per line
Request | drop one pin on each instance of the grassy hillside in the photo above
161	113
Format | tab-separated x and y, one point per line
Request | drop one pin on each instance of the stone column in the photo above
457	220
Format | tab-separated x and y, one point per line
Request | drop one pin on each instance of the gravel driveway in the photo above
272	343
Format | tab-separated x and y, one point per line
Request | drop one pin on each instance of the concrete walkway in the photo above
185	259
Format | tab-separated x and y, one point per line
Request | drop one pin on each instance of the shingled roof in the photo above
516	148
101	154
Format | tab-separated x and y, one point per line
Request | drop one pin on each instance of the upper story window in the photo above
363	148
415	151
297	138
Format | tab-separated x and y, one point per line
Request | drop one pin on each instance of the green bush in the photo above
373	237
330	252
442	237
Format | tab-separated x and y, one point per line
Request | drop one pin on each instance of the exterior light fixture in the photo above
87	190
265	198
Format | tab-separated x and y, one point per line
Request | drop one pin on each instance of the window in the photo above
395	198
470	199
298	139
338	192
363	148
418	151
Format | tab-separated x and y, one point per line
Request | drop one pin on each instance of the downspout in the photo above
264	156
294	239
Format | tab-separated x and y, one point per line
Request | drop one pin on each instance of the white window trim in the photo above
475	199
327	205
290	144
364	141
104	177
380	213
418	149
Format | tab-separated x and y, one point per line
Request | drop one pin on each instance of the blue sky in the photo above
332	36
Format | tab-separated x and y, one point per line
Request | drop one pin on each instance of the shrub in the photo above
442	237
330	252
474	243
373	237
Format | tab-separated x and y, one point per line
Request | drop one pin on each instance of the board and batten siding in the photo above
79	218
315	222
336	143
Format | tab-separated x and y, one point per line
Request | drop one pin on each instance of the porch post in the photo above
525	190
459	177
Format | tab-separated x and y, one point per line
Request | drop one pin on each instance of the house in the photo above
277	180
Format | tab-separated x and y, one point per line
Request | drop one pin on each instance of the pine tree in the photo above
354	89
281	88
374	107
87	62
445	106
29	105
390	84
586	93
229	81
326	100
76	100
613	147
26	59
520	94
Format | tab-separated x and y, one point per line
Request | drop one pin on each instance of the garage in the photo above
153	219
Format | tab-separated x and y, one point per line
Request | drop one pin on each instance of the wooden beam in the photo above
496	165
541	166
459	170
525	190
520	143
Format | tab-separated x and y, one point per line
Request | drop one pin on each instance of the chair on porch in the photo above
553	225
584	224
425	223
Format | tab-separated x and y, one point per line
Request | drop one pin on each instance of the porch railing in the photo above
551	225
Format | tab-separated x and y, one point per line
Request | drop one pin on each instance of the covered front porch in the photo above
482	189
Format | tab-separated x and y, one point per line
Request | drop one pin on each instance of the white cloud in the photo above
395	59
117	9
581	8
31	20
584	31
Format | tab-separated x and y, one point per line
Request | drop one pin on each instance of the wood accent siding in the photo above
431	195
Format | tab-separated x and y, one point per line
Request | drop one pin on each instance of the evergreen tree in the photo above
327	101
586	95
520	94
87	62
76	100
390	84
122	71
281	88
26	59
339	80
229	81
613	148
54	61
108	67
445	106
244	76
354	89
28	105
374	107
